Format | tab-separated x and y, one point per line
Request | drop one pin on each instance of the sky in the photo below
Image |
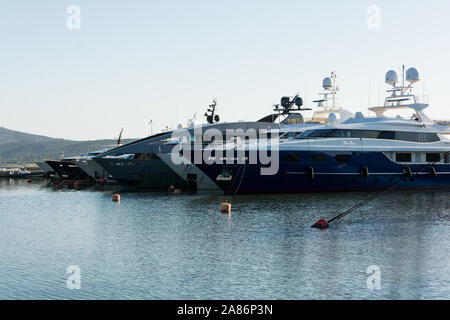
130	62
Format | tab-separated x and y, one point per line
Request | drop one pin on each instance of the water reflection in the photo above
165	246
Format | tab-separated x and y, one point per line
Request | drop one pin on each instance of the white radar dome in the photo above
412	75
327	83
332	117
391	77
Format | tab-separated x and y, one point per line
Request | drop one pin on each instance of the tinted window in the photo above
318	157
428	137
370	134
433	157
407	136
387	135
338	133
291	158
342	157
403	157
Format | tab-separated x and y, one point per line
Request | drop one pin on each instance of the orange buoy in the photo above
116	197
177	191
225	207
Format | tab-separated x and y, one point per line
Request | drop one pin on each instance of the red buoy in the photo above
320	224
29	181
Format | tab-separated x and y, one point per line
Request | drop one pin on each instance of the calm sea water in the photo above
160	246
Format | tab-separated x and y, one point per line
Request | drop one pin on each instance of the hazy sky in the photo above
132	61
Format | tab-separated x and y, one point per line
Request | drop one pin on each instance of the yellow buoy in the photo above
225	207
116	197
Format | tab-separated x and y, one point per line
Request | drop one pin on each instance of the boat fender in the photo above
225	207
365	171
311	172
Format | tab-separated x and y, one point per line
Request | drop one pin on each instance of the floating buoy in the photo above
320	224
116	197
177	191
225	207
29	181
171	188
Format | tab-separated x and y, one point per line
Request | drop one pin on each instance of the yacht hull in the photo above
151	174
328	175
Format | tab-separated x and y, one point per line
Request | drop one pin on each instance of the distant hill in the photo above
22	148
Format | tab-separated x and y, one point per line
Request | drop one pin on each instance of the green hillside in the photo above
19	147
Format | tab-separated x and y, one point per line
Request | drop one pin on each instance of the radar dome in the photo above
327	83
412	75
332	117
391	77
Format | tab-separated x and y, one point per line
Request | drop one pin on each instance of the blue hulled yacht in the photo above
354	154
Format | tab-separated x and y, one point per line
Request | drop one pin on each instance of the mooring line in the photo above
322	223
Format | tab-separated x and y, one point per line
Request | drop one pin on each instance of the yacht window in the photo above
318	157
390	135
291	158
342	157
433	157
403	157
370	134
146	156
338	133
407	136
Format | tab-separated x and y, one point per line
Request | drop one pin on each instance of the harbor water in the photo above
165	246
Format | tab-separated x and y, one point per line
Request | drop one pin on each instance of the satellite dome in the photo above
391	77
332	117
327	83
412	75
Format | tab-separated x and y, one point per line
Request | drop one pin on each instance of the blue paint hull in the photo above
328	174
